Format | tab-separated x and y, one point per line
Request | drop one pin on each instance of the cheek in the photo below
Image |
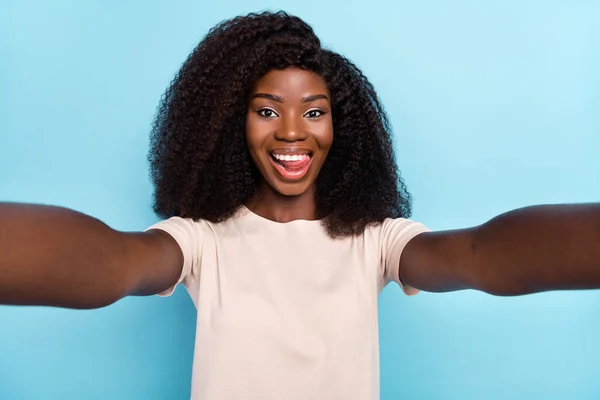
254	143
325	136
257	132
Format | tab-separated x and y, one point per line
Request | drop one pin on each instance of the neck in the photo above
272	205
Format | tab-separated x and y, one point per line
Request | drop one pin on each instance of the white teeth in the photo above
295	157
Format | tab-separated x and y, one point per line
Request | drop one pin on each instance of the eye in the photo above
314	113
267	113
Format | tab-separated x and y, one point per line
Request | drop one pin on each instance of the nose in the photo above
292	129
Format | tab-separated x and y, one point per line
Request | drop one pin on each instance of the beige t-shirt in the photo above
284	311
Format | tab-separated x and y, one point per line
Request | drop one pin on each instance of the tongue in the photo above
294	165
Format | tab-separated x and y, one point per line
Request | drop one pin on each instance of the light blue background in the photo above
495	104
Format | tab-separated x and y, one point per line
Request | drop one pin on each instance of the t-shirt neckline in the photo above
251	214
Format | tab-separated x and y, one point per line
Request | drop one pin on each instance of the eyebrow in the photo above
268	96
314	97
280	99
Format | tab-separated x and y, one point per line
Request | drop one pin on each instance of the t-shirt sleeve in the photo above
394	235
186	233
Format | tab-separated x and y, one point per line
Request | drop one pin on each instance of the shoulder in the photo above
185	230
394	229
179	224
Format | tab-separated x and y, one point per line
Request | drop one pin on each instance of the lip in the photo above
287	175
292	151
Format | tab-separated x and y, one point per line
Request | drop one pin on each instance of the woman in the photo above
285	216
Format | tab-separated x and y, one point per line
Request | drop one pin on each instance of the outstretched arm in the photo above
533	249
57	257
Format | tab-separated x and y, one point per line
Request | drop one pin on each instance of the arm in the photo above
57	257
533	249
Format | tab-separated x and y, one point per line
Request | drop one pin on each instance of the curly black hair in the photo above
200	165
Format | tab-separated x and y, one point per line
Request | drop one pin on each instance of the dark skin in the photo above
58	257
289	112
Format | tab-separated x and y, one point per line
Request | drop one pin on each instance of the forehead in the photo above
290	82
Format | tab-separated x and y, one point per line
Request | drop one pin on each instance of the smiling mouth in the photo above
291	166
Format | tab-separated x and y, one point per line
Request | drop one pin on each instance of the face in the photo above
289	129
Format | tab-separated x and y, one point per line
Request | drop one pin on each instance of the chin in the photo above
291	189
